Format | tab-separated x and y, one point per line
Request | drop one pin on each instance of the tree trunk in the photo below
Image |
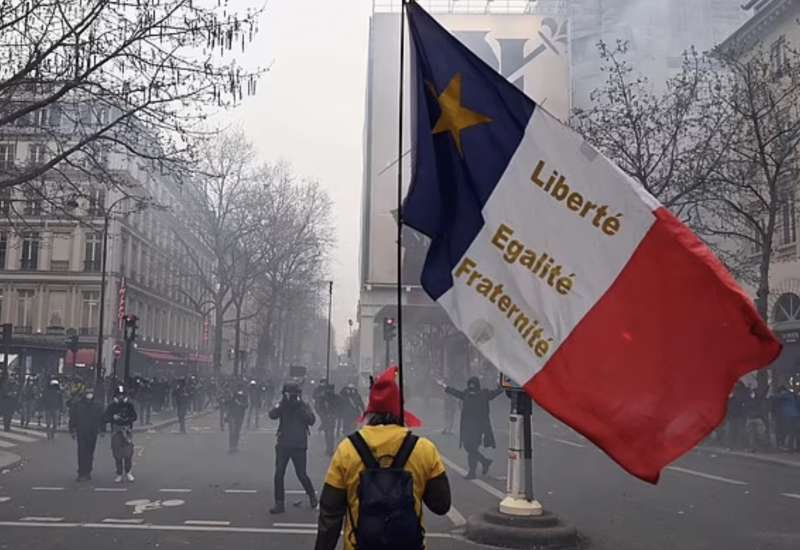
218	320
237	331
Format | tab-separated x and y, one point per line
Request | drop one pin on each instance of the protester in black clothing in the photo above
9	401
181	397
85	423
53	403
476	424
351	408
738	411
144	396
121	414
326	403
296	417
237	405
28	397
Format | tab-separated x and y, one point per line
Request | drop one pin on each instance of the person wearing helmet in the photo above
295	418
237	405
53	403
121	414
85	423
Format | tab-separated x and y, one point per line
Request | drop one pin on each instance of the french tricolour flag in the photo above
565	273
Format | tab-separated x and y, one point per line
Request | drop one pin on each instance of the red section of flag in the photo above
647	373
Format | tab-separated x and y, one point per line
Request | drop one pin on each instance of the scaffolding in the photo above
479	7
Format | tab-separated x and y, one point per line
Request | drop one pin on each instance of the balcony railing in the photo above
59	265
23	330
29	265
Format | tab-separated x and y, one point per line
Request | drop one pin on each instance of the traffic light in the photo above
131	325
72	343
389	328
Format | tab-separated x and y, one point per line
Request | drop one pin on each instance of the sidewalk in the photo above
784	459
8	460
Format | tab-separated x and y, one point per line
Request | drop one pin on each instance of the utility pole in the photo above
330	311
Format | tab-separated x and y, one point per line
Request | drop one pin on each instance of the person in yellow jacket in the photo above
382	439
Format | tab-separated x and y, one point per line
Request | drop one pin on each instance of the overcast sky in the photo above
309	111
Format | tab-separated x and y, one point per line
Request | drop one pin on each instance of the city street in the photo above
190	493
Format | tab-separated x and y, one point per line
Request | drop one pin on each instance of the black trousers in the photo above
330	437
234	430
298	457
87	441
182	419
122	449
474	457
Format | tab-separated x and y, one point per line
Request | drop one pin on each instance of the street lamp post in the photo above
99	355
330	311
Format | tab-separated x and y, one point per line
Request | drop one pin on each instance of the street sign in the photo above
117	351
508	384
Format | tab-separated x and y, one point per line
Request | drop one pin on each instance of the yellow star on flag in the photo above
455	117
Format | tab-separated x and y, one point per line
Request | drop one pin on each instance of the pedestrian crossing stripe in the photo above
6	445
36	433
17	437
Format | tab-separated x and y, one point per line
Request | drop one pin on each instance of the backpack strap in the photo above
406	448
363	451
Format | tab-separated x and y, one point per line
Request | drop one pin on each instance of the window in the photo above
54	117
24	323
33	203
787	308
40	117
786	223
62	246
5	201
97	202
90	312
38	153
777	56
3	249
58	308
29	259
24	120
93	256
8	155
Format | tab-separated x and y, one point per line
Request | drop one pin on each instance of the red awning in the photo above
160	356
83	358
199	358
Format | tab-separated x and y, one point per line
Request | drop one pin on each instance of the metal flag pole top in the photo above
400	215
328	356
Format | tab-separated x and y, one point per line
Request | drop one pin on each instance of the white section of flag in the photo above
546	225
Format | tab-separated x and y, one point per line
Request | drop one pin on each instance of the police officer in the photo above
121	414
85	423
255	404
237	405
296	417
328	410
181	397
53	403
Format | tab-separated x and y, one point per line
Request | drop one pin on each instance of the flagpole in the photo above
400	215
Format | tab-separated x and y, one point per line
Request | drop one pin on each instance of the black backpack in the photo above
387	518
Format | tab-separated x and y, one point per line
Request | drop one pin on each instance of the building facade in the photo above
51	260
773	29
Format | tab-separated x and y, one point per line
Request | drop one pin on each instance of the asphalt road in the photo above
190	493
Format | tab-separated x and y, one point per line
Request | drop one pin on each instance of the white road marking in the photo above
296	492
206	522
791	495
110	490
4	499
570	443
48	488
706	476
174	490
241	491
124	521
456	517
35	433
17	437
6	444
188	528
479	482
41	518
296	525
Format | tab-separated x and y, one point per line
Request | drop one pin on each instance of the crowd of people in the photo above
763	421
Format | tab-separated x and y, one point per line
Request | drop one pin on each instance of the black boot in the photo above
312	501
279	508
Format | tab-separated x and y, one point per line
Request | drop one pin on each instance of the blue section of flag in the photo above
448	190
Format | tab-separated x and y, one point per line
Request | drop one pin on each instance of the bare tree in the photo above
669	142
86	78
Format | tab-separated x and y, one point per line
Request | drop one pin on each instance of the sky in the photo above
309	111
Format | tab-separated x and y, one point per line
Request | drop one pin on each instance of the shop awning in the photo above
160	356
83	358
